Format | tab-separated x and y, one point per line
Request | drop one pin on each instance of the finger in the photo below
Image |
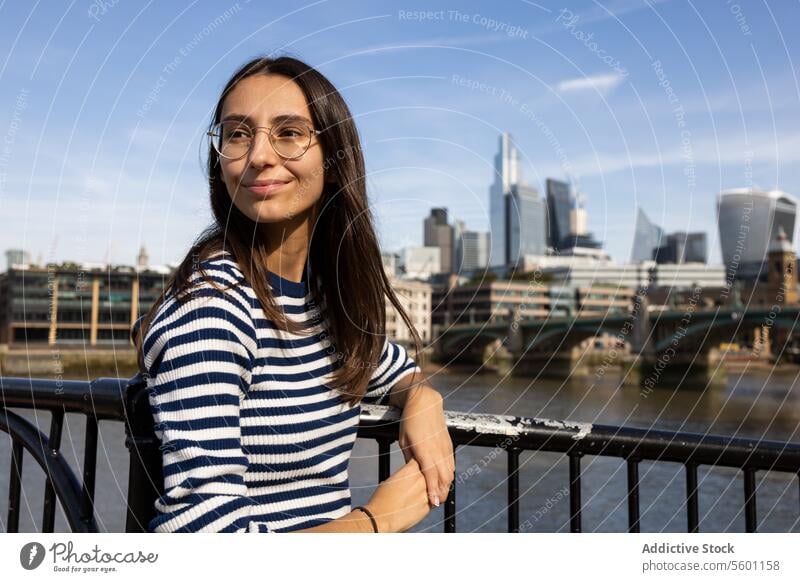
431	474
445	479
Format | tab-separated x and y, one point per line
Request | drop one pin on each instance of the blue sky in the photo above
658	104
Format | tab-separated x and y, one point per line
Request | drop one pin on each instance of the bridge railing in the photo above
126	400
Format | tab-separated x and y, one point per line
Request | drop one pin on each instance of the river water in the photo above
761	404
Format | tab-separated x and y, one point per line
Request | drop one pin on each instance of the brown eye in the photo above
290	132
237	132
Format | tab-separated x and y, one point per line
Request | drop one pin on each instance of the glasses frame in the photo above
218	126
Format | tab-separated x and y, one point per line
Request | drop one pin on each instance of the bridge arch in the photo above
575	334
458	340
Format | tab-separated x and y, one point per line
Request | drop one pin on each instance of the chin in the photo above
272	210
267	212
270	215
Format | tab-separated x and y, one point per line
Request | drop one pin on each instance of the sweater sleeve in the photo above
199	356
394	364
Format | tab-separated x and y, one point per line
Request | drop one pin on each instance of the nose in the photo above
262	153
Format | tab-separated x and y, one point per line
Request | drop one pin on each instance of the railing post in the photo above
450	505
750	521
384	459
145	472
51	449
692	509
633	495
575	491
513	489
89	468
14	487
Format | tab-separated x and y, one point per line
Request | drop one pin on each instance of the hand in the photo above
400	502
423	436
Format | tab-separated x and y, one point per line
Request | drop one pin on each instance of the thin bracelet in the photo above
371	517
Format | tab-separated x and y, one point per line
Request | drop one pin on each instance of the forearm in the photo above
354	522
411	387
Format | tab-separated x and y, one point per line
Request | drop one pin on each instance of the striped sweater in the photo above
253	439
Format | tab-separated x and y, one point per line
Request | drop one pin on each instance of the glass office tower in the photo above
748	221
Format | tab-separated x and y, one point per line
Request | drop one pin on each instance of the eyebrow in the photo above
276	119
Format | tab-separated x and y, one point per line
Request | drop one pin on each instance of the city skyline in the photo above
105	134
524	205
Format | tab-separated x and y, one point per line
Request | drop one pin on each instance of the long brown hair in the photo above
343	234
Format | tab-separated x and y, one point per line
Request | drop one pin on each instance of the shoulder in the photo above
216	304
220	265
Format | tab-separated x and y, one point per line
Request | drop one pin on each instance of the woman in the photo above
272	330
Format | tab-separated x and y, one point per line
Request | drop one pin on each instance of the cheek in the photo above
229	174
231	177
311	180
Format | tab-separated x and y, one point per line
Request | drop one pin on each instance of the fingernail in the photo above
436	500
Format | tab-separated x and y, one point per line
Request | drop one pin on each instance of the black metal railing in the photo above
125	400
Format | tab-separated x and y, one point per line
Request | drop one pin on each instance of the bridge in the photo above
682	337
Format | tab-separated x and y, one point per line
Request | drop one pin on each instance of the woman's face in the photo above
260	98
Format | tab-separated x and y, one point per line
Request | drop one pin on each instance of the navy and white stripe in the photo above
253	439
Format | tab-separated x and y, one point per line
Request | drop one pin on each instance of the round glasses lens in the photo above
232	139
291	140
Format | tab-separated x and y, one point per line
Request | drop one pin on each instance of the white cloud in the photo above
725	149
602	83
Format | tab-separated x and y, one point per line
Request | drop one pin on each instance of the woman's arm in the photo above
398	503
410	387
397	378
354	522
423	433
199	357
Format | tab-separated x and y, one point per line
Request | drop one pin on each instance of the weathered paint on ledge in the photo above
485	423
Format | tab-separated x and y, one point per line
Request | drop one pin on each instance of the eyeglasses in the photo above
233	139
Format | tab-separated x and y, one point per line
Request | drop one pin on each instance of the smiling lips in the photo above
262	187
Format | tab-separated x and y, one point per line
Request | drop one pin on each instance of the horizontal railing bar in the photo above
104	399
601	440
101	397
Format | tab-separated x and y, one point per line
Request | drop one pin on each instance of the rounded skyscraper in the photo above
749	220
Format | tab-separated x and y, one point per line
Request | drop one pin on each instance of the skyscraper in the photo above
506	174
472	250
748	221
696	248
567	220
646	239
682	247
578	221
559	208
526	231
438	233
